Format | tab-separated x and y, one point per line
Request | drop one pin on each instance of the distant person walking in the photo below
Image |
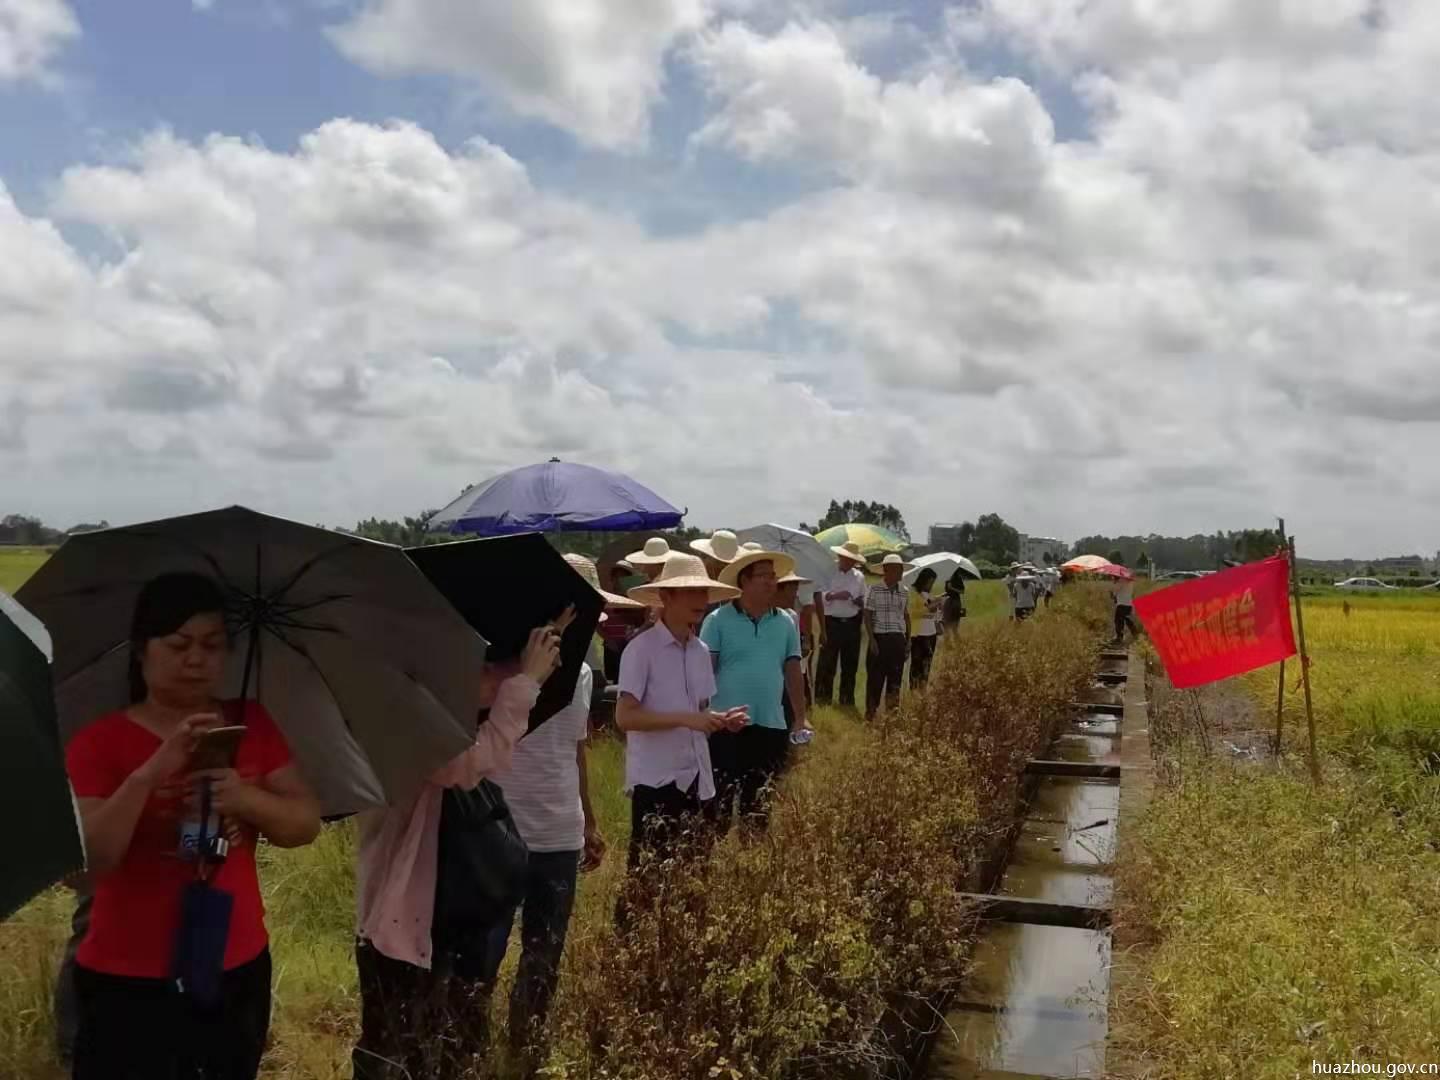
842	600
1124	596
888	622
924	626
1025	591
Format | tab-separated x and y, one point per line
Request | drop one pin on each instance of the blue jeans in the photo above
545	917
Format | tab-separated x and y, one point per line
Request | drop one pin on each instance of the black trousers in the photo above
415	1022
747	765
1125	617
842	648
144	1029
666	822
884	670
922	652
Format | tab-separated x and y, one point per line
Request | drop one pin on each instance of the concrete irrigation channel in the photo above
1036	1001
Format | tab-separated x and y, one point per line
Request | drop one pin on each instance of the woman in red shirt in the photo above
129	770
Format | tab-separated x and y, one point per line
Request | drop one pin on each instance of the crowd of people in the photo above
714	693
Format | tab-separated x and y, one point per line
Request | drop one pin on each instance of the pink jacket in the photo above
395	891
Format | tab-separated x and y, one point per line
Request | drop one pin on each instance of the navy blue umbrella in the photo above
557	496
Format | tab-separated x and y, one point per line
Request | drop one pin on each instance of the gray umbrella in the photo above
370	673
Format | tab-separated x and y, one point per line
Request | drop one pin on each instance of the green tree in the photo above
411	532
1142	561
989	539
1117	556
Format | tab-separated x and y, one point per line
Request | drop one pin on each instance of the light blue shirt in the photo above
751	655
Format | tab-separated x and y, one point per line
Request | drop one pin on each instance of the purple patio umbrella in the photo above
558	496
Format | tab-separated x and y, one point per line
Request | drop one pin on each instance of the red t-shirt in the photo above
136	915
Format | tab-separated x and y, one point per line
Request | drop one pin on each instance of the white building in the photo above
1033	549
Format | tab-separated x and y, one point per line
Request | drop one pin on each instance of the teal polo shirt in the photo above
750	659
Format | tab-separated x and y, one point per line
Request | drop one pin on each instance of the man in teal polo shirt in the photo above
756	651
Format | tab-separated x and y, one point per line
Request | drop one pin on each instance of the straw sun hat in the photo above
723	546
850	550
586	569
783	564
682	571
890	560
655	552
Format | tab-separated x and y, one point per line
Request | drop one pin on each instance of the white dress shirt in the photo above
851	581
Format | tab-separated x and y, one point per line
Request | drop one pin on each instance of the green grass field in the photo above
309	902
17	564
1284	924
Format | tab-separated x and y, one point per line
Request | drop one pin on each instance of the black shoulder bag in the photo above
482	863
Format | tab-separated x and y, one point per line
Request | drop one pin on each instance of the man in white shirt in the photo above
842	599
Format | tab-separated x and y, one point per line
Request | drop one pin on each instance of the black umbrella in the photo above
370	673
43	838
506	586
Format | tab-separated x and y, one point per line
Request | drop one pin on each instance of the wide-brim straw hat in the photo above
783	564
655	552
723	546
850	550
891	560
794	579
586	569
682	571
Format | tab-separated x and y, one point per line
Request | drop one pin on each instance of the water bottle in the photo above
801	736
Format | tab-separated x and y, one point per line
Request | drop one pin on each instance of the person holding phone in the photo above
135	775
547	788
418	1002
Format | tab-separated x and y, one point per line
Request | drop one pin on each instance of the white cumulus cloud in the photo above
32	33
591	67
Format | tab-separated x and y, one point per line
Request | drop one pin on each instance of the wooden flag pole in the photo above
1280	699
1304	664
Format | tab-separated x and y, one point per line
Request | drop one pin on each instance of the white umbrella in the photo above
944	563
813	559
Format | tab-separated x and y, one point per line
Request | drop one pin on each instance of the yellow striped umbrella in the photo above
875	542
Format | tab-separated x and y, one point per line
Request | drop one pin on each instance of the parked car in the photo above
1181	575
1363	584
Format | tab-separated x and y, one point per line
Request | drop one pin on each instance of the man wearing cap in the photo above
887	618
842	602
756	651
666	683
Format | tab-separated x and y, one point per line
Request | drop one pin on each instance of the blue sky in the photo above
808	240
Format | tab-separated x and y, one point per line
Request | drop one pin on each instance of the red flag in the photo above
1221	625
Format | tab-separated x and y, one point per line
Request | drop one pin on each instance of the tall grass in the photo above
773	958
780	958
1280	923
